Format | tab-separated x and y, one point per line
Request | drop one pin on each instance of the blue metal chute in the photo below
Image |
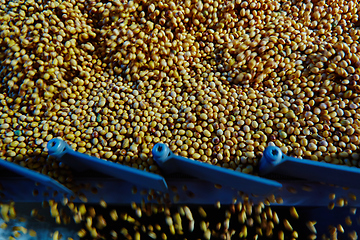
297	182
35	176
79	161
276	162
172	163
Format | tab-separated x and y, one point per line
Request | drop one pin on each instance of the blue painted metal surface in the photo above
171	163
80	162
35	176
305	187
274	161
197	191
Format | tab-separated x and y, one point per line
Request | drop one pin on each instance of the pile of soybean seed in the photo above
218	81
